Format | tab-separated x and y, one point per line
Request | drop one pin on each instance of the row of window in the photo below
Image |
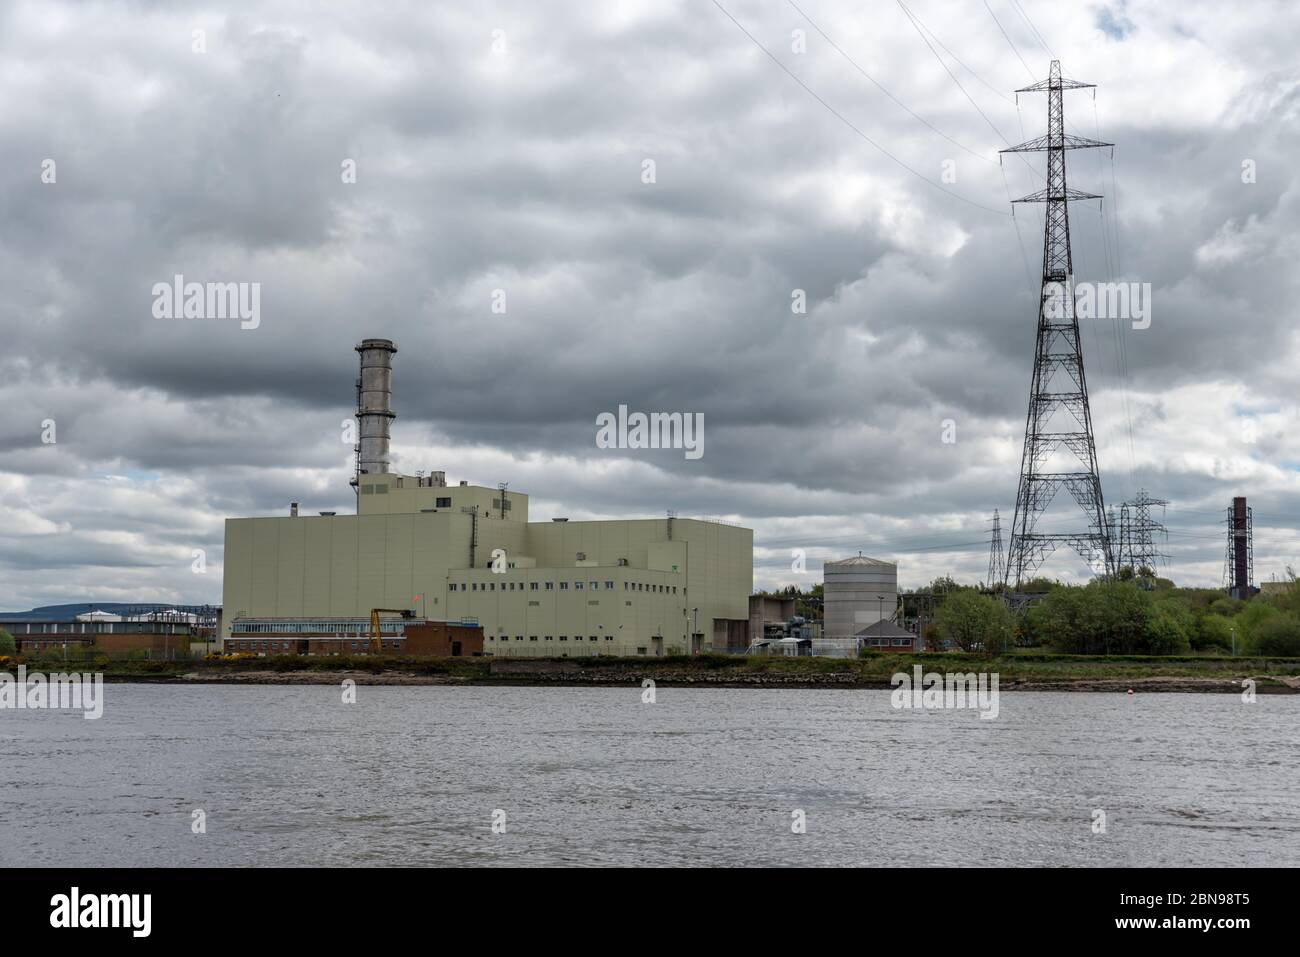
564	586
549	638
96	628
359	644
347	627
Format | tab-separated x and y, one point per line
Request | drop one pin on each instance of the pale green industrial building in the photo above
627	587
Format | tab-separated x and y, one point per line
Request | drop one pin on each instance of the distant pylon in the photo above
1059	451
997	563
1137	543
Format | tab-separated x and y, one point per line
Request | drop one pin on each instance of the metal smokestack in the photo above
374	405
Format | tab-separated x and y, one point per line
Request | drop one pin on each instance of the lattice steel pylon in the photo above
1137	548
997	561
1059	450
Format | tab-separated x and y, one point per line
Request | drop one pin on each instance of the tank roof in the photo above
862	560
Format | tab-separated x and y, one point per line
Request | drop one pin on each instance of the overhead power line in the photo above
843	119
834	46
1032	74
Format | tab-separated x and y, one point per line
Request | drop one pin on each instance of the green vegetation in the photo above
7	644
1279	635
975	622
1141	614
1121	618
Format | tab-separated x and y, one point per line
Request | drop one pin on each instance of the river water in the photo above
592	776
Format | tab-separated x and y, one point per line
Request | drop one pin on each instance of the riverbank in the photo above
1026	671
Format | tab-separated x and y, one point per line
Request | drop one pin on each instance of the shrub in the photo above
1111	618
1213	632
7	644
1173	628
975	622
1279	635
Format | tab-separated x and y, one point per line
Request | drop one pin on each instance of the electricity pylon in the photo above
1059	449
997	562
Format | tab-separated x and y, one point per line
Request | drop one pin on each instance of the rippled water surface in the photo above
412	775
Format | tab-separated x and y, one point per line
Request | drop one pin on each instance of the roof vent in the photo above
559	520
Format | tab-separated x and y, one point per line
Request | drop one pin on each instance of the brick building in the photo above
416	637
111	637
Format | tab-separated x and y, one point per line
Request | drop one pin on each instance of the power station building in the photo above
469	553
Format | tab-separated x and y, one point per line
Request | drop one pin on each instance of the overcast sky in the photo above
503	146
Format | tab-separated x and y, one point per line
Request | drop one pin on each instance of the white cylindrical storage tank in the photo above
375	404
858	592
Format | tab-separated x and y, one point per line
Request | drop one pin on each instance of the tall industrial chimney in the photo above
374	405
1240	561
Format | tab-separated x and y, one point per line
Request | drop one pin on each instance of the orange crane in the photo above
374	624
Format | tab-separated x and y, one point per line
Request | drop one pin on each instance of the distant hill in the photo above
64	612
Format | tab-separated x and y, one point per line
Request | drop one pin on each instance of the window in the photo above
563	637
492	637
550	586
609	586
475	586
577	586
532	586
640	651
594	585
519	637
593	638
564	586
548	638
609	637
674	589
626	585
443	502
451	587
512	586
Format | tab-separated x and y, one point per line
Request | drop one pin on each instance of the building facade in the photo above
469	553
414	637
112	638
